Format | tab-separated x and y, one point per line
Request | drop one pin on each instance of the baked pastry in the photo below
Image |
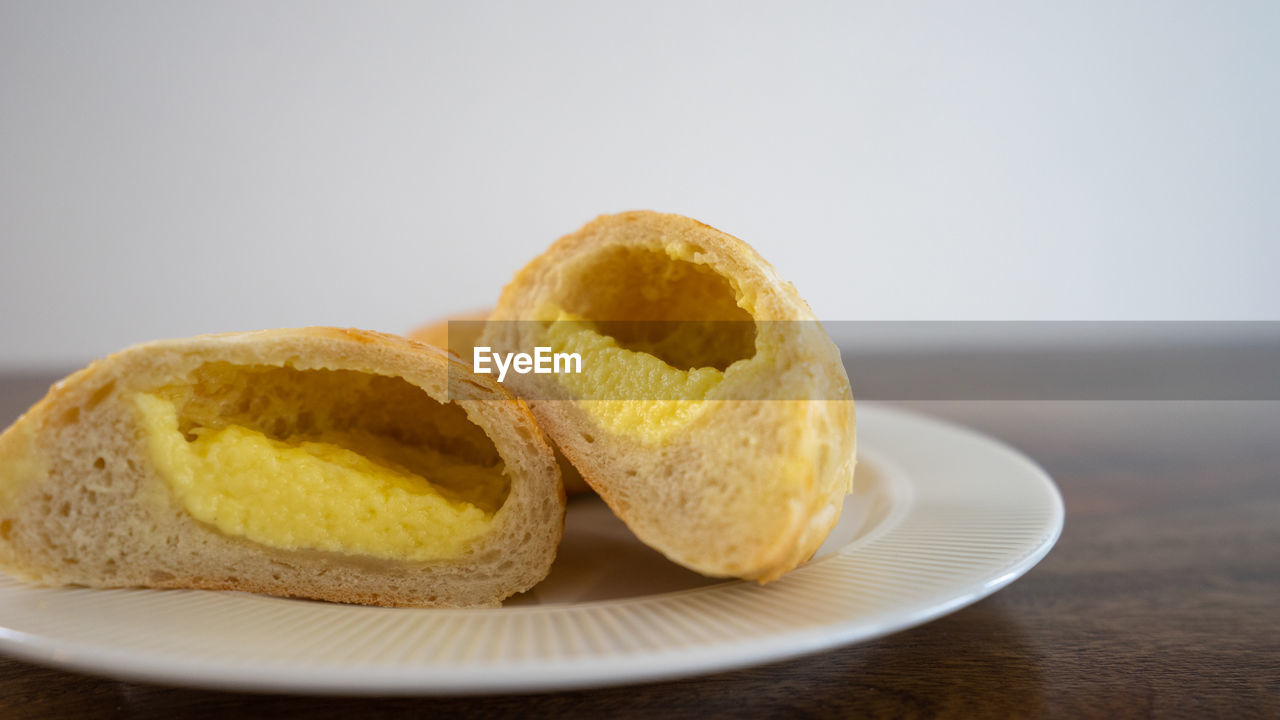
466	329
458	334
711	411
322	463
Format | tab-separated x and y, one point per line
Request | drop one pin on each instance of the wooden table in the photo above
1161	599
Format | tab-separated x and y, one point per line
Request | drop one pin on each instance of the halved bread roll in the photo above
460	339
322	463
712	412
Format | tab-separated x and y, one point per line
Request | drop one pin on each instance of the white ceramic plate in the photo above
940	518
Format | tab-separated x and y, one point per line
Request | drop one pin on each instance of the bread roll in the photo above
712	413
320	463
461	341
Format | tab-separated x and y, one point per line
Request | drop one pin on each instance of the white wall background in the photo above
171	168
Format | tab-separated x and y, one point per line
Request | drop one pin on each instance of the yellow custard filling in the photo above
645	397
314	491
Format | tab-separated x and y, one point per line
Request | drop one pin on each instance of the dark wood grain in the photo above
1161	599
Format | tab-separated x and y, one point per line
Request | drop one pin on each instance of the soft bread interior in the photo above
332	460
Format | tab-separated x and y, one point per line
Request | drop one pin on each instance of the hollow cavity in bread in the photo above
665	334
